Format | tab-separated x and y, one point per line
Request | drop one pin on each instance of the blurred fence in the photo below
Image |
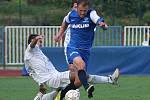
111	37
16	39
136	35
1	45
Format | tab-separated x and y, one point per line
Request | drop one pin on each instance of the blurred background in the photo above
51	12
128	28
124	45
19	18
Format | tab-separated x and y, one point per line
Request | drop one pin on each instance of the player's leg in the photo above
74	73
42	95
73	70
70	86
69	83
96	79
73	57
80	65
49	96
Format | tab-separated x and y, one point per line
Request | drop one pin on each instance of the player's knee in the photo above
73	69
77	83
72	76
79	63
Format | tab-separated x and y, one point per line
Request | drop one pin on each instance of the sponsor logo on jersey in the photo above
86	19
80	25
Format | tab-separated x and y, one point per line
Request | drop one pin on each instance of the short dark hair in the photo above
32	36
73	1
83	2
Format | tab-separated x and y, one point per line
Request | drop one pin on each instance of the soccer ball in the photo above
72	95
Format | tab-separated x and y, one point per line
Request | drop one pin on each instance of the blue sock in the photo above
83	79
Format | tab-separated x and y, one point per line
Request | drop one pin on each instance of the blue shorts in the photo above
71	53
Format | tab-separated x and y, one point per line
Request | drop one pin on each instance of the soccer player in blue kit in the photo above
81	23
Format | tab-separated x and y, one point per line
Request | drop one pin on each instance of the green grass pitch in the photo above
131	88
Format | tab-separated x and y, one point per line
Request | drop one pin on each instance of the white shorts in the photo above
59	80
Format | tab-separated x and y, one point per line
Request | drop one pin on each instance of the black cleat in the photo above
90	91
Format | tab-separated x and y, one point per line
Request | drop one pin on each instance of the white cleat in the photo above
115	76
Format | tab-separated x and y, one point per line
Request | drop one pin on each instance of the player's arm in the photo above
98	20
35	40
61	32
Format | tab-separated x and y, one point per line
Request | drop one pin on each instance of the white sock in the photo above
49	96
38	96
96	79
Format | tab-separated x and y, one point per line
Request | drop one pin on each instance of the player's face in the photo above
39	42
82	10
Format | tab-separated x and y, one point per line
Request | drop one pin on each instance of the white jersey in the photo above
40	67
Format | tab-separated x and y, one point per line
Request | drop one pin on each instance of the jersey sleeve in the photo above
29	48
95	18
66	18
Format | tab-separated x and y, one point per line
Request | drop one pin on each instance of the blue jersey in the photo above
82	29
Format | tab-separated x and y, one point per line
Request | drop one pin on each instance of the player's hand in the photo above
103	25
42	89
39	37
57	38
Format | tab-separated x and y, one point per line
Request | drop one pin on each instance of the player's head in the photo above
74	4
33	36
82	7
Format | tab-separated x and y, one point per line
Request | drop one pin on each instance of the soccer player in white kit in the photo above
42	70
